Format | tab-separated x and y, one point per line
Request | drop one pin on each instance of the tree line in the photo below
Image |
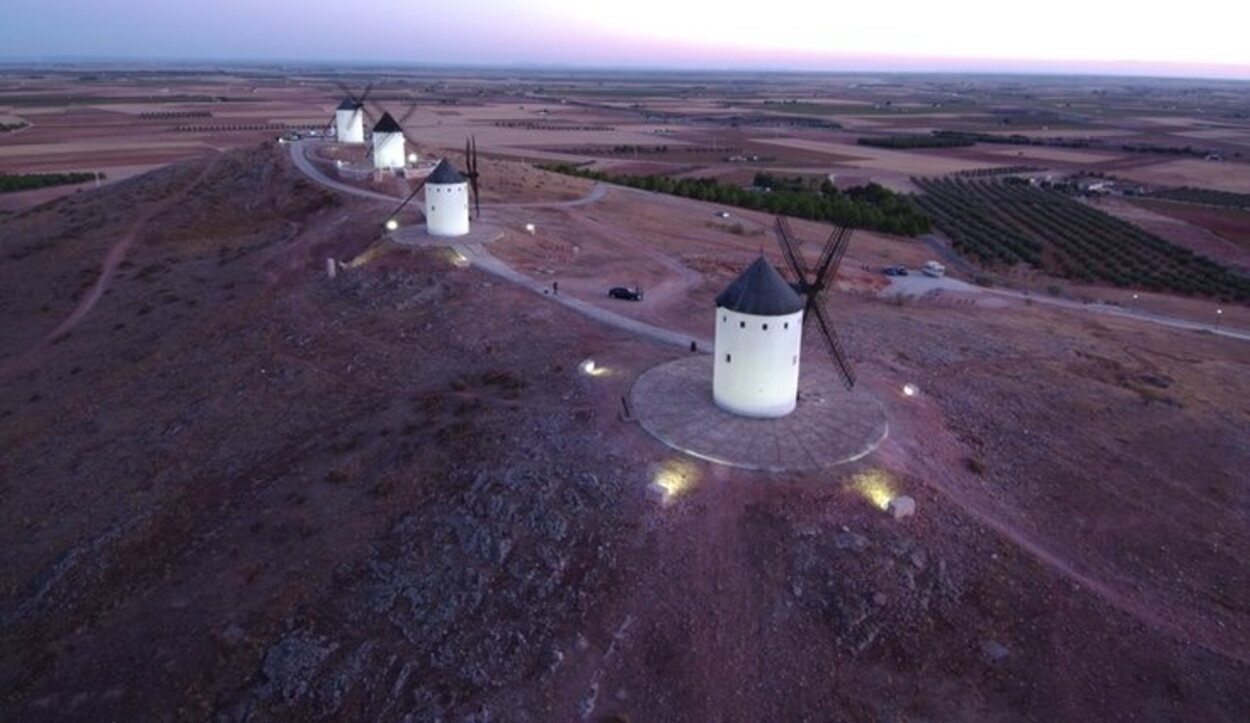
1017	139
872	207
909	141
1205	196
30	181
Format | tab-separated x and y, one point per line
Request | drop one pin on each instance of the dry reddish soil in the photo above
1231	224
238	490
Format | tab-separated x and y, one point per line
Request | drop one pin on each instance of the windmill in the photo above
812	284
363	110
446	188
348	122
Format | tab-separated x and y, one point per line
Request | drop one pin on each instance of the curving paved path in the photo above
477	255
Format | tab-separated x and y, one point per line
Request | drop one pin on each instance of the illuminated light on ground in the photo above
591	368
674	478
365	257
338	163
391	224
412	158
459	260
530	229
910	390
874	486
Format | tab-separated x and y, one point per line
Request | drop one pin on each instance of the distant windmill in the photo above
387	143
349	124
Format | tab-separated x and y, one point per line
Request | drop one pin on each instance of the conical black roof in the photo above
350	104
760	291
387	125
445	173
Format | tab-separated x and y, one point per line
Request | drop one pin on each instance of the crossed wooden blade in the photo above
812	284
470	165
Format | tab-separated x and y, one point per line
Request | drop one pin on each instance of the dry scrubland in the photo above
393	494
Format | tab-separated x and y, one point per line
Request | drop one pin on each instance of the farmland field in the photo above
1001	223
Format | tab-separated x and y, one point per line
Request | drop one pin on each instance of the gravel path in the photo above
919	285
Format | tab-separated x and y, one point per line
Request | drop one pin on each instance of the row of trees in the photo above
871	207
163	114
910	141
30	181
1017	139
999	171
1207	196
238	127
1003	223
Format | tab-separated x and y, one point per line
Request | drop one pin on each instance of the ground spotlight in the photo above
391	224
591	368
874	486
674	478
910	390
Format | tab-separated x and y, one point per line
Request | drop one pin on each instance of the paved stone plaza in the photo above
416	235
831	426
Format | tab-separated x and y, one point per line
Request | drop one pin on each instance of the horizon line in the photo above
1046	68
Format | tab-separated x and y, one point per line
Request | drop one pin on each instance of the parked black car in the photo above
895	271
627	294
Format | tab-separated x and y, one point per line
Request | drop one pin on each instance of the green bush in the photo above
871	207
31	181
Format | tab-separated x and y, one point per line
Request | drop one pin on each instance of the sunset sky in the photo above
1195	38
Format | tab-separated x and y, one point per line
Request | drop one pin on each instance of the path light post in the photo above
1219	313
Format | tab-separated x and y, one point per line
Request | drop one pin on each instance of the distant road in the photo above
919	285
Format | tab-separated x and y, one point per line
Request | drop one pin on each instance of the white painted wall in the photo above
756	373
389	151
349	126
447	209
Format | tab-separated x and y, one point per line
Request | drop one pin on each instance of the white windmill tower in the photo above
447	195
389	151
759	329
349	121
759	335
446	201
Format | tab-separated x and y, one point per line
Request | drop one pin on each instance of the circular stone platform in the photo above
416	235
830	426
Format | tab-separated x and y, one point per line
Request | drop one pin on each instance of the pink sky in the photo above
903	35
